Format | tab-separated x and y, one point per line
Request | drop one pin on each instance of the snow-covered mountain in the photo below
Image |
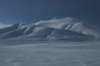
67	29
70	24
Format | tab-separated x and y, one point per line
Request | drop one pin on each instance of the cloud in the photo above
56	23
55	20
4	25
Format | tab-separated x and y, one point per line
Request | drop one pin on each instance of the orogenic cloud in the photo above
54	22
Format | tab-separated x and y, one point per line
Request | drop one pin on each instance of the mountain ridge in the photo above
50	30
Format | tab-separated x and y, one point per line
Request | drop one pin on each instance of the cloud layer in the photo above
57	23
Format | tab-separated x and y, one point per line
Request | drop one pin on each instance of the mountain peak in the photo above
18	25
69	24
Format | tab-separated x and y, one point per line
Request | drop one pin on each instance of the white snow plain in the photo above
50	54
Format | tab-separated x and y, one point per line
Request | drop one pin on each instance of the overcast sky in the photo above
30	11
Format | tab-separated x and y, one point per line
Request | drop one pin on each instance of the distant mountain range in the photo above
69	30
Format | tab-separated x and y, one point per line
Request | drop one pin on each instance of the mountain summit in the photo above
67	29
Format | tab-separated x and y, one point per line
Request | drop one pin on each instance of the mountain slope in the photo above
11	28
67	29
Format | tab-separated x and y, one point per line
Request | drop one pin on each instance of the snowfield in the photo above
50	54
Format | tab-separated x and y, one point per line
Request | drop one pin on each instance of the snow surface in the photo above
50	54
55	42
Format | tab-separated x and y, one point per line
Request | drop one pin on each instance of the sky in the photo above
31	11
